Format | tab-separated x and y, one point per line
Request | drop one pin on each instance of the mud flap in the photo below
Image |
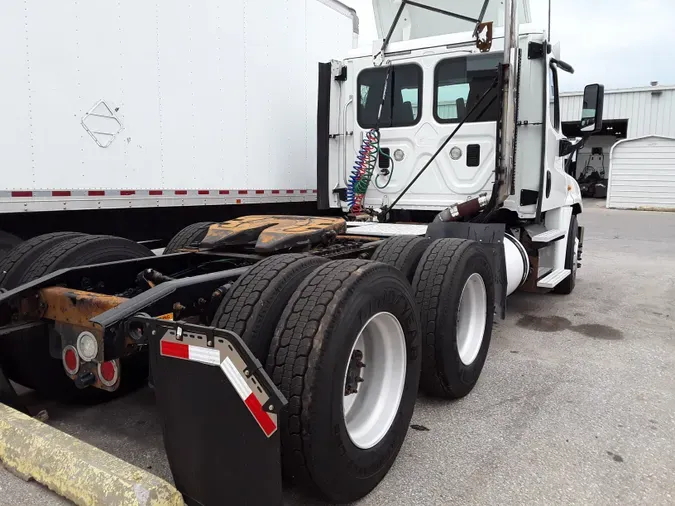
219	413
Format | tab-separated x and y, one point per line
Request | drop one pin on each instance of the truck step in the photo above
549	236
552	279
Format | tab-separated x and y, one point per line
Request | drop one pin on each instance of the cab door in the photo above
555	179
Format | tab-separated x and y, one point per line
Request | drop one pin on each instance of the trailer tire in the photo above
253	305
454	350
46	374
21	257
7	242
403	252
187	236
566	286
313	347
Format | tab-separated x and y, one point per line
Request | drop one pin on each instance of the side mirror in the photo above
591	114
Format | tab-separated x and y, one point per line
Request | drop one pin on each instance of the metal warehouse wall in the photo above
649	111
643	174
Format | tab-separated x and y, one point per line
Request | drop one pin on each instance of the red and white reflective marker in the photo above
211	356
252	403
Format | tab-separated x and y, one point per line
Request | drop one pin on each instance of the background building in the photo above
643	119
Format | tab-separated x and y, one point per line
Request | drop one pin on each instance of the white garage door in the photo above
642	173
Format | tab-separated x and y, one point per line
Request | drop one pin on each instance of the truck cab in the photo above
435	81
437	117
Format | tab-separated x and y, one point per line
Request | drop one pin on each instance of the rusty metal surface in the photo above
273	233
75	307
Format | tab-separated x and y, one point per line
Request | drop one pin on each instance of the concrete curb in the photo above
74	469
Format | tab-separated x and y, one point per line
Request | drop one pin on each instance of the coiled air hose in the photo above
362	172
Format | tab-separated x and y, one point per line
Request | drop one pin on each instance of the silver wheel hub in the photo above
374	380
471	318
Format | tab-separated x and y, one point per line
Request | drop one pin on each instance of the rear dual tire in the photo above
332	442
306	318
323	444
254	303
403	252
453	284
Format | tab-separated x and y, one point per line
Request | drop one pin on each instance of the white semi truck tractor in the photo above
294	346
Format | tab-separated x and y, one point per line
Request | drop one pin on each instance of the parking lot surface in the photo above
576	404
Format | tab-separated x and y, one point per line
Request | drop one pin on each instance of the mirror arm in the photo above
562	65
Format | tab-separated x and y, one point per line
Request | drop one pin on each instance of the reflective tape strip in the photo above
250	400
193	353
176	350
237	380
204	355
263	418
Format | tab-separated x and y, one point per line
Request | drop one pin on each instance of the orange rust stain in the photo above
75	307
272	229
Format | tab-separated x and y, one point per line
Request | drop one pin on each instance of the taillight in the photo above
70	360
108	373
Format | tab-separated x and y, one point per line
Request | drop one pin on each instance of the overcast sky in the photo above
619	43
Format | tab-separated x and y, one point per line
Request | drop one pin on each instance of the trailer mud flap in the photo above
219	413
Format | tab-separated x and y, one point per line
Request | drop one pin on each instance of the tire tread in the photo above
403	252
18	256
187	236
242	311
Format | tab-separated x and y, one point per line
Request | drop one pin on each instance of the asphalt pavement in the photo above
576	404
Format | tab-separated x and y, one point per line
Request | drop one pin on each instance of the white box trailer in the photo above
119	105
